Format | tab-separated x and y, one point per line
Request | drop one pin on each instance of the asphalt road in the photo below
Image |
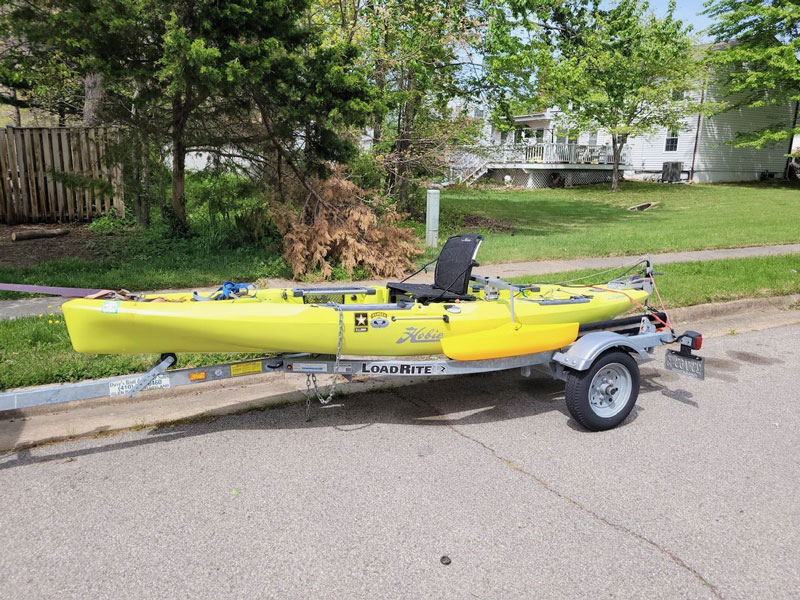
695	496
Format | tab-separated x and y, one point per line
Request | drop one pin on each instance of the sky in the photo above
685	10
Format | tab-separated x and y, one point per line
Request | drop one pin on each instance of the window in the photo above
539	136
591	140
478	113
677	95
671	144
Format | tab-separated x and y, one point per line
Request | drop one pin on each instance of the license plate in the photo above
691	366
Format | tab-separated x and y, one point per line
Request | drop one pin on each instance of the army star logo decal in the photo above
361	322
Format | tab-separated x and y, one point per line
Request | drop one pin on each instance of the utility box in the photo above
671	172
432	219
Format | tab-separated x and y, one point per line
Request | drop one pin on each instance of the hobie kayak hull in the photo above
273	321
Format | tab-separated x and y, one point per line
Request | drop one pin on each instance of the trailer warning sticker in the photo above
247	368
309	367
125	386
361	322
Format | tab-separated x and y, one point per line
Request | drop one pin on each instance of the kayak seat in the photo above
452	275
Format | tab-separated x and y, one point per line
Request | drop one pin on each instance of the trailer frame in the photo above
633	336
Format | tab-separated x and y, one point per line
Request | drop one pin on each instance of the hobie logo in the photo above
420	335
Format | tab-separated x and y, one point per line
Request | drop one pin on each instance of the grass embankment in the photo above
525	225
691	283
150	260
593	221
36	350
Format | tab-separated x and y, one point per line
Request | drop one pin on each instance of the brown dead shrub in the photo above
336	224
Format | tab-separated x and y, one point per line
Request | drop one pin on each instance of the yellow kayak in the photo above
463	316
374	322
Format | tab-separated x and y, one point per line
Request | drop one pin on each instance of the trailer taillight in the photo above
692	339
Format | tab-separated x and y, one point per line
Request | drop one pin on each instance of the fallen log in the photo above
33	234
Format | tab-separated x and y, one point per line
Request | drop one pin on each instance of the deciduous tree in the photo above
758	59
622	68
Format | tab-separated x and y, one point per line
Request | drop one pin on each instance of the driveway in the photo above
695	496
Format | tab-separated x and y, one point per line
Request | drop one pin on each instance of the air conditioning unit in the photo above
671	172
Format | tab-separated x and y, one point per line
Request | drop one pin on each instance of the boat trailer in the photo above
600	370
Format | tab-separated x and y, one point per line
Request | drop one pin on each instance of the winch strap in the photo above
49	290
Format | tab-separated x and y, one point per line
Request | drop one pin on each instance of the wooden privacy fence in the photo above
52	174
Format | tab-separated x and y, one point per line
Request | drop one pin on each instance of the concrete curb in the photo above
733	307
30	427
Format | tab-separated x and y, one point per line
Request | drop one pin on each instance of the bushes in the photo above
227	210
110	224
331	227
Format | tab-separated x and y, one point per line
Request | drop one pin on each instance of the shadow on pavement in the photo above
462	401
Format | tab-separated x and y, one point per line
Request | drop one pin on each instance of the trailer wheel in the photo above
603	396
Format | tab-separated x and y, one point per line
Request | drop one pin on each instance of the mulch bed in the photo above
29	253
487	223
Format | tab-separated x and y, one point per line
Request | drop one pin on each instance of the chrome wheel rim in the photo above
610	390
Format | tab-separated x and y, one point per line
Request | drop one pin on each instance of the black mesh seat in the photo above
453	270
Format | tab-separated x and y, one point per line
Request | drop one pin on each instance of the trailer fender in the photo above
585	351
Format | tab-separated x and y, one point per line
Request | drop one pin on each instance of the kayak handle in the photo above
445	318
321	291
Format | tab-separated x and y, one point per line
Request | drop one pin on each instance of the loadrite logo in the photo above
420	335
397	369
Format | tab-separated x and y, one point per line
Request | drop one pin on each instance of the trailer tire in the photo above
603	396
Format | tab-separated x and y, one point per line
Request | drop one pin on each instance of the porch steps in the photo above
475	175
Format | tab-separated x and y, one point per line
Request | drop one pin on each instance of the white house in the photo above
537	152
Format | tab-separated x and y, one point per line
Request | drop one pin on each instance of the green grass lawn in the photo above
593	221
535	224
36	350
151	260
690	283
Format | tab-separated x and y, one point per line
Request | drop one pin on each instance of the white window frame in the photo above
671	140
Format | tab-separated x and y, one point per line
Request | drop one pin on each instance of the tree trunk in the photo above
617	142
17	113
376	130
93	96
377	117
380	85
405	132
178	160
141	170
34	234
142	206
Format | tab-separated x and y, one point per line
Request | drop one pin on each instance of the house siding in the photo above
716	160
720	161
648	152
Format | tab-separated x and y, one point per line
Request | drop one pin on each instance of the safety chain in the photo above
311	378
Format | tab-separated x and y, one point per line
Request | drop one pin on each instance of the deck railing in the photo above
465	161
575	154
